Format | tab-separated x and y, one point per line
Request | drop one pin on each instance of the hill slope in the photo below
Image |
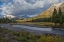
49	11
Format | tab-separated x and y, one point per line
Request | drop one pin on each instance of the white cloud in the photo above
17	7
21	5
51	1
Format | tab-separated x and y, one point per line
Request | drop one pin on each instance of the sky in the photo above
25	7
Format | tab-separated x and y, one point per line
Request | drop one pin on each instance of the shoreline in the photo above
53	31
36	25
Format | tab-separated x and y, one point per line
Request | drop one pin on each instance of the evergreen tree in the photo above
57	17
60	15
54	16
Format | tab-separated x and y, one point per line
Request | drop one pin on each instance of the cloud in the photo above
26	7
6	1
51	1
0	10
21	7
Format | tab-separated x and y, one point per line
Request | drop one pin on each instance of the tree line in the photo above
6	20
41	20
57	17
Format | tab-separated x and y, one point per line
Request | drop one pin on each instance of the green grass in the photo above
49	24
45	24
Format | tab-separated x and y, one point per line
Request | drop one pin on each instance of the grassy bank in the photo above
50	24
23	36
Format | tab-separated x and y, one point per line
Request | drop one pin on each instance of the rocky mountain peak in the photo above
49	11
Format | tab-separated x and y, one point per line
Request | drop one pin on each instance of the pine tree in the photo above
60	15
54	16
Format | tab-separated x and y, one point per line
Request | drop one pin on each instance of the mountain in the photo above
49	11
25	16
9	16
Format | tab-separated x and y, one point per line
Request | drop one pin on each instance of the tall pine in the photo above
54	16
60	15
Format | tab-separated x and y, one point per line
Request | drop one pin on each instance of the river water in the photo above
33	29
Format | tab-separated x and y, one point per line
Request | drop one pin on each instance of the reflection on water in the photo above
33	28
41	30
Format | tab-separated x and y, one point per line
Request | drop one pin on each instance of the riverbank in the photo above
42	24
33	29
23	36
49	24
